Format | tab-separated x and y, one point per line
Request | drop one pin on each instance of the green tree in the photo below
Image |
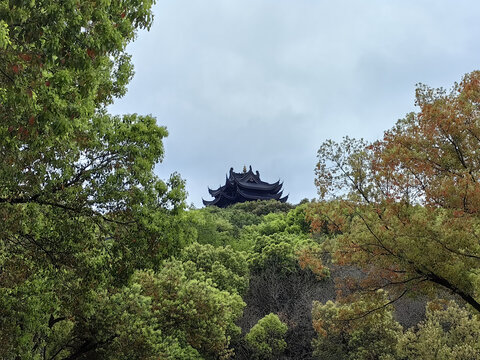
193	311
278	251
263	207
211	226
364	328
267	337
80	206
448	332
287	254
227	268
293	221
359	329
297	220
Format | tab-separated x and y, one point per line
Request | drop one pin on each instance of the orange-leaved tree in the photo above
406	208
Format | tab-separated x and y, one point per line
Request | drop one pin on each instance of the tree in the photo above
263	207
349	330
80	206
211	227
406	208
266	338
448	332
193	311
227	268
363	328
286	254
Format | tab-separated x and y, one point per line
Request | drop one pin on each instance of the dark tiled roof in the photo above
244	186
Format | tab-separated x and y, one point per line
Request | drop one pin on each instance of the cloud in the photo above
265	82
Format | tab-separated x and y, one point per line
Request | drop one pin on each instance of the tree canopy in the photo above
406	207
81	208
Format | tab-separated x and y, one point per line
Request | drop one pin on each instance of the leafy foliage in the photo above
276	251
266	338
263	207
448	332
227	268
407	208
212	226
285	271
345	333
287	254
81	208
193	311
282	242
362	328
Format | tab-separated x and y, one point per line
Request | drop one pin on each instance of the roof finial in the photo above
250	168
244	169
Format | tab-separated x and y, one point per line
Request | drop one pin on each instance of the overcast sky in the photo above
265	82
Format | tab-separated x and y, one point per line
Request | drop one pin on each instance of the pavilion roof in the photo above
245	186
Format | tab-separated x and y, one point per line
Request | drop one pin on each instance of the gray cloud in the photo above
265	82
